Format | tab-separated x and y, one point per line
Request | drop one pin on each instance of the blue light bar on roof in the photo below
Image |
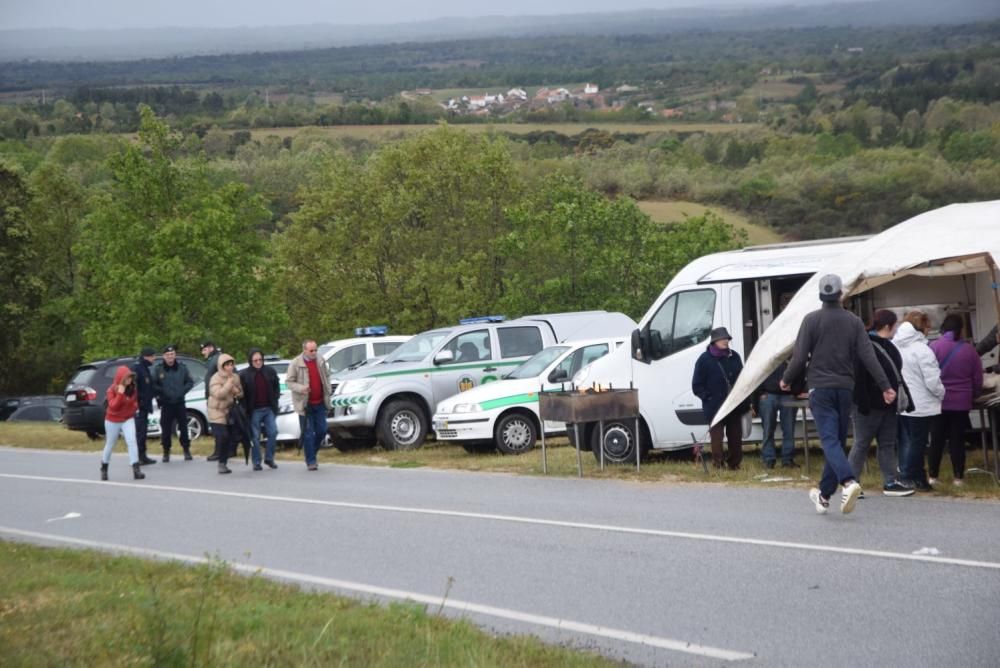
371	330
479	320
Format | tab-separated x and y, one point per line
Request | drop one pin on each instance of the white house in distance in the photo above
590	89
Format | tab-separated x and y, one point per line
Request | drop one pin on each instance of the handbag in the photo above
902	398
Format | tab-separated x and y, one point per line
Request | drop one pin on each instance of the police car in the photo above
504	414
392	402
368	343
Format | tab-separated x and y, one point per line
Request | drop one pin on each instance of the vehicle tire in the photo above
478	447
402	425
196	426
515	433
93	435
350	444
619	442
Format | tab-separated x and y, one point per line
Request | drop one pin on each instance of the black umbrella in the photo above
238	420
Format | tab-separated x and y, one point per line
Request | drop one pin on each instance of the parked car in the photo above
393	402
347	354
10	405
504	415
84	396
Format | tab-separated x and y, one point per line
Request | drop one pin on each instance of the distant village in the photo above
588	96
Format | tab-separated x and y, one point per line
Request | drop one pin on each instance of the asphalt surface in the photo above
653	574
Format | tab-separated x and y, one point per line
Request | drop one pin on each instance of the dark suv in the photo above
10	405
85	392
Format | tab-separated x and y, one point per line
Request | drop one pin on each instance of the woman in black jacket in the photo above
715	373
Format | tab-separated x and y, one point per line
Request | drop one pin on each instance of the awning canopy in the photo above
953	240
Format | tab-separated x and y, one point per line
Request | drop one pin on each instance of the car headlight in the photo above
466	408
581	376
356	385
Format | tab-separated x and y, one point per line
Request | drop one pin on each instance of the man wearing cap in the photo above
715	373
144	390
171	381
833	340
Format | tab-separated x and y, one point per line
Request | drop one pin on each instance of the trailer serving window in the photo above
684	320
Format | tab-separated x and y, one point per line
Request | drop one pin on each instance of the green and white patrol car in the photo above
504	415
392	402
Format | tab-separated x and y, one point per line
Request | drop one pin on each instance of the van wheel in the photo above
515	434
93	435
402	425
618	440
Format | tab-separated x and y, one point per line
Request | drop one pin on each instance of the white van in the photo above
741	290
504	414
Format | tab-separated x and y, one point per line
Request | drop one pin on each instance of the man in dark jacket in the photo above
874	419
211	355
171	381
261	391
833	340
715	373
144	390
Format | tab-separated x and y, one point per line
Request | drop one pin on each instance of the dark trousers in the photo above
913	432
313	432
225	438
733	428
949	426
831	409
170	415
141	429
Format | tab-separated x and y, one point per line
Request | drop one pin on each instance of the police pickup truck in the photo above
392	402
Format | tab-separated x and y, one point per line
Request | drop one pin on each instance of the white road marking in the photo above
67	516
437	601
760	542
927	550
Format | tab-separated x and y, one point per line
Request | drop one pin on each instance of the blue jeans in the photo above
265	415
831	409
774	408
314	431
913	435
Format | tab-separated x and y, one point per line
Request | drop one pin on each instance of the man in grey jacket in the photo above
833	340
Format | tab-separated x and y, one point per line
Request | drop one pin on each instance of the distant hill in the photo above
103	45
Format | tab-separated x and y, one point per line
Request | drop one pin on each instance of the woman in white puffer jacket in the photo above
923	378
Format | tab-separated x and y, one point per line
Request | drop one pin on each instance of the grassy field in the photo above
670	212
660	468
69	607
375	132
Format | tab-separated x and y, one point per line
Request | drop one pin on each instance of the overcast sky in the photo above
111	14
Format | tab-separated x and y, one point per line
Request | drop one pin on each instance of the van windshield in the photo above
538	363
418	347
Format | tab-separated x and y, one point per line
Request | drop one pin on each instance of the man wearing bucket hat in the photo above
715	373
833	340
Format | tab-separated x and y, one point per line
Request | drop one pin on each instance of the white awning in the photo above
955	239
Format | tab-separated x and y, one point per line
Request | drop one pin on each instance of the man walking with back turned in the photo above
832	340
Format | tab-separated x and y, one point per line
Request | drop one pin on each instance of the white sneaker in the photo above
932	481
849	497
958	482
822	505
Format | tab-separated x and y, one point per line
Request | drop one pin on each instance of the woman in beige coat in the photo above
223	390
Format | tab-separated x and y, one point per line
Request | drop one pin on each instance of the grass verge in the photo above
79	607
658	468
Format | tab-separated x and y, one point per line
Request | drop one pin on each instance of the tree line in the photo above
110	247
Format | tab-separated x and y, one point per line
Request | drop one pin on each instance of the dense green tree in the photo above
167	257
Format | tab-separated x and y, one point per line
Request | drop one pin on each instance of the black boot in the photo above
187	454
104	471
137	472
166	456
223	468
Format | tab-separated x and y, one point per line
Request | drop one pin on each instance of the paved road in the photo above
653	574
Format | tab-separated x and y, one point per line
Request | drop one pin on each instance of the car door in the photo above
473	361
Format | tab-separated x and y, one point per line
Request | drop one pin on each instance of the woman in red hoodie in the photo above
119	418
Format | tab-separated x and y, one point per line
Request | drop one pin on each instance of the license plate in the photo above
71	396
441	425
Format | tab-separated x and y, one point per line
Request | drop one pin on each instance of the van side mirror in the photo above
444	357
559	376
